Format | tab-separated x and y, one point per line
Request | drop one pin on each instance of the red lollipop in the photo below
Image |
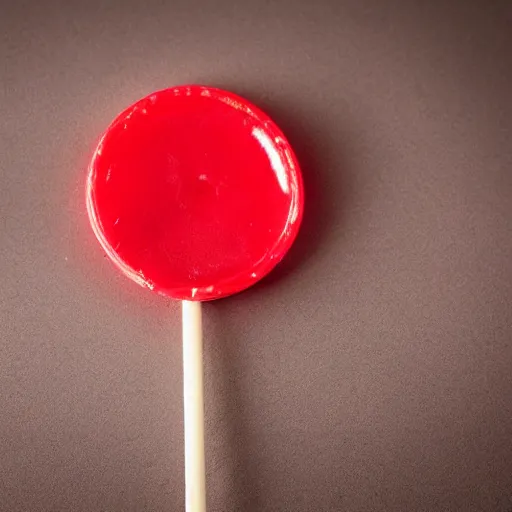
196	194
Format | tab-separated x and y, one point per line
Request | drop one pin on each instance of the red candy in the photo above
194	193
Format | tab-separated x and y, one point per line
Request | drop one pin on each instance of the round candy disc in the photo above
194	193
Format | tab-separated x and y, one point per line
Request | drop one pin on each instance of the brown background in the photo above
373	370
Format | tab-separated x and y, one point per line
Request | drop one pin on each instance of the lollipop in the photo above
195	194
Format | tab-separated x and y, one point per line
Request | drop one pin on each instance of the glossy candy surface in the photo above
194	193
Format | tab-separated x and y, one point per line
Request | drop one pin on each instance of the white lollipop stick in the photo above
195	489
